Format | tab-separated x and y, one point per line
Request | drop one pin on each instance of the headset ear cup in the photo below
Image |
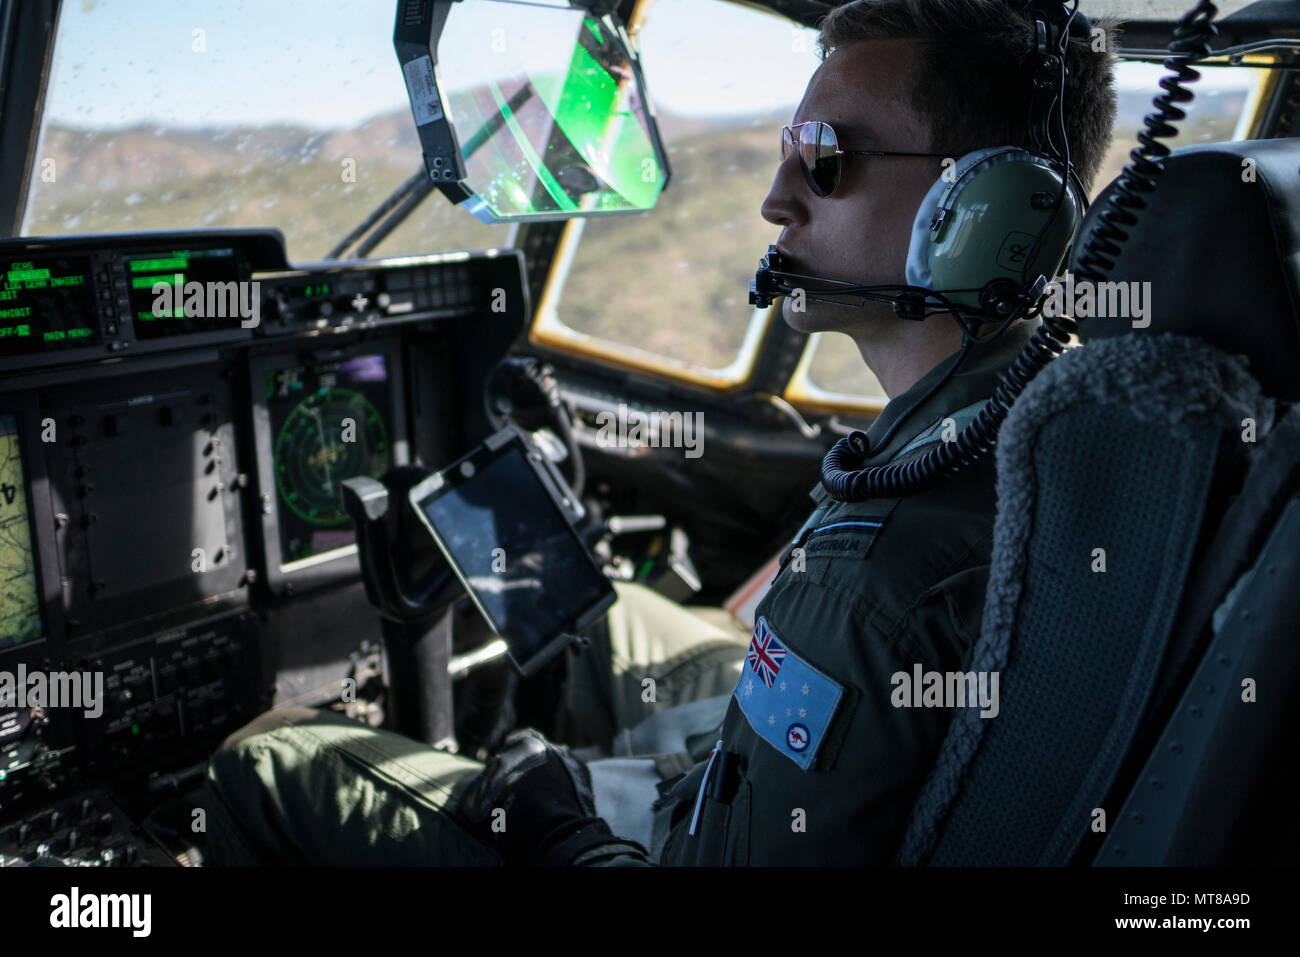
943	193
992	217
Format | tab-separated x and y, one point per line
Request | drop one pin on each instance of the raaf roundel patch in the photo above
787	701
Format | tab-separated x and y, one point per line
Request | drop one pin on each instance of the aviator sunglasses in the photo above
820	156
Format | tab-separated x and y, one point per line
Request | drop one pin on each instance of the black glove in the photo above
534	804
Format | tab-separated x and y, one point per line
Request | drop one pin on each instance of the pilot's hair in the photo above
972	71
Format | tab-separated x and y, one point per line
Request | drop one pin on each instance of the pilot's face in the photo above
860	233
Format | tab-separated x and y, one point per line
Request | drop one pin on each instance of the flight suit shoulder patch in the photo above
852	537
788	703
847	533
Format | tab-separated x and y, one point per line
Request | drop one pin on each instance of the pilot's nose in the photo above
785	204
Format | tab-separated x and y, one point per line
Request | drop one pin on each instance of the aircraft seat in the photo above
1139	612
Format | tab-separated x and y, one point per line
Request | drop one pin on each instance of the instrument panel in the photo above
177	413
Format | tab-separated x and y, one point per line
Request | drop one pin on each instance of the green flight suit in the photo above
877	588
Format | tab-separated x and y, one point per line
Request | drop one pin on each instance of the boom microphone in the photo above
772	281
999	299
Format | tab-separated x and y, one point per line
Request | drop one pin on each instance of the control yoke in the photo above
405	576
411	584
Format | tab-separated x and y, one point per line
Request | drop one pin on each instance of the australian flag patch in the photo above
787	701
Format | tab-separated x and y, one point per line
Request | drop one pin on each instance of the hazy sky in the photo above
122	61
328	63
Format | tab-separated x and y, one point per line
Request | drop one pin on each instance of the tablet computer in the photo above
502	518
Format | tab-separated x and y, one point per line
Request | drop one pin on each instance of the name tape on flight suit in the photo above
787	701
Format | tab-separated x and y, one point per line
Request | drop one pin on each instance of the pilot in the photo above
818	757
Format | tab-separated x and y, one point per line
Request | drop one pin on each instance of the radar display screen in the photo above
329	422
200	292
20	608
45	304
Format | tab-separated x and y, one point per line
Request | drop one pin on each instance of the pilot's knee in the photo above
273	720
235	768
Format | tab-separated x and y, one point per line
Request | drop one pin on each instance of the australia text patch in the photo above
787	701
850	538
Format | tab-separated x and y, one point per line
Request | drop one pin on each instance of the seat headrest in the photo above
1219	243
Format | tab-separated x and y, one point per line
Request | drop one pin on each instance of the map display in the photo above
20	609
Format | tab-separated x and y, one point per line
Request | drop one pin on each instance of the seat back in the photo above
1206	788
1219	245
1105	466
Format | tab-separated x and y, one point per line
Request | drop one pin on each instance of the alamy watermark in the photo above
53	689
208	300
1084	299
77	910
633	428
946	689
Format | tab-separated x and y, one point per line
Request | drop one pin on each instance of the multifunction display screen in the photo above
45	304
189	290
329	422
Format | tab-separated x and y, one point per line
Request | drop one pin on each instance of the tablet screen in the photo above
516	552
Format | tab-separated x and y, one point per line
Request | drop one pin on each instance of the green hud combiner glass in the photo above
529	112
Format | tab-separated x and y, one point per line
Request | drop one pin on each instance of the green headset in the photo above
999	222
